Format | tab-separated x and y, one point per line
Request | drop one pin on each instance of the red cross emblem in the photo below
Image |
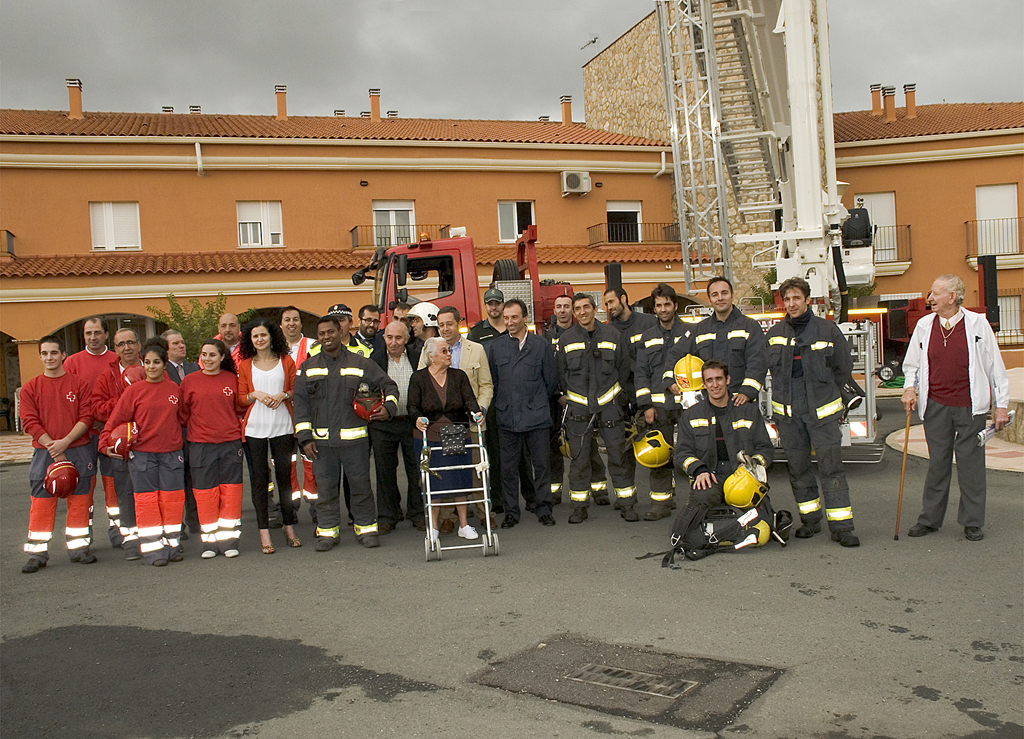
173	399
227	391
71	396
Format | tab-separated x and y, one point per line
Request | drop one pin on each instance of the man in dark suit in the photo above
525	379
176	369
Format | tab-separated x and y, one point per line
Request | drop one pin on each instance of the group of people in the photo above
309	413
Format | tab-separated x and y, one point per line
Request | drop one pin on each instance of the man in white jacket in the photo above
953	364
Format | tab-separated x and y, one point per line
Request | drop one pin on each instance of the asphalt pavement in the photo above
910	639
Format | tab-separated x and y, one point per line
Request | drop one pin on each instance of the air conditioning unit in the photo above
575	183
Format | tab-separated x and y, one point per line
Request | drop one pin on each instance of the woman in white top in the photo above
266	384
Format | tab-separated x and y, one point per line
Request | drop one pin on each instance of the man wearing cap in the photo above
484	331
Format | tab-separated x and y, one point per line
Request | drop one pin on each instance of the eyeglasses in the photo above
371	321
122	344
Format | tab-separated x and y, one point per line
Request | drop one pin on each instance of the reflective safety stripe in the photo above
574	347
316	372
350	371
810	506
658	398
654	342
738	334
705	337
226	534
610	395
556	487
76	532
360	530
35	548
304	426
599	487
829	408
632	339
321	433
151	531
641	391
698	422
334	533
151	546
81	543
742	424
209	538
751	382
689	460
350	434
609	344
576	397
625	492
579	495
208	528
113	510
660	497
227	523
392	398
309	495
819	345
786	410
839	514
780	341
39	535
296	495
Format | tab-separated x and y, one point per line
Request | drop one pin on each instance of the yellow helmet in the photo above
687	372
651	450
743	490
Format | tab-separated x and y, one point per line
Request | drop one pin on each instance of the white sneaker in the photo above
468	532
231	553
208	554
435	536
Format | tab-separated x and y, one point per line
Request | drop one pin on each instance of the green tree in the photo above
197	323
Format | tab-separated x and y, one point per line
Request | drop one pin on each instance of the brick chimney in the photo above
876	100
375	104
74	99
282	103
909	92
566	101
889	104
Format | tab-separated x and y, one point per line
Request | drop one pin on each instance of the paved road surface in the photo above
916	639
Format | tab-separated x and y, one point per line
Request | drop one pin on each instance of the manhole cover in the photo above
672	689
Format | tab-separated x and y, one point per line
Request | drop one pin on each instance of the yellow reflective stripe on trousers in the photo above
660	497
599	487
350	371
350	434
751	382
610	395
577	346
611	344
738	334
579	495
576	398
78	543
35	548
829	408
316	372
810	506
556	487
76	532
332	533
742	424
779	341
39	535
360	530
839	514
625	492
705	337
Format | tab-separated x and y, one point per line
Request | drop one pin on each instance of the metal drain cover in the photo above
672	689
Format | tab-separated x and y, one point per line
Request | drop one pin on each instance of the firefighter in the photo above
593	371
660	408
733	338
713	431
558	324
810	361
332	435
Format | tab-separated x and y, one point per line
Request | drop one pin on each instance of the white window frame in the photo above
881	208
625	206
511	208
115	226
994	207
266	225
1009	318
392	232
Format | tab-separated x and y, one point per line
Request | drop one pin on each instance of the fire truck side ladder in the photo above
718	127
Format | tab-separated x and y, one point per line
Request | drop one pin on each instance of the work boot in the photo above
33	565
369	541
601	499
807	530
86	559
845	538
578	516
657	512
629	514
324	544
556	500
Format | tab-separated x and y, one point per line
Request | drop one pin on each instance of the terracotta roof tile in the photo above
56	123
139	263
931	120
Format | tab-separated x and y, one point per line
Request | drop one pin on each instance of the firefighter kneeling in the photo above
724	449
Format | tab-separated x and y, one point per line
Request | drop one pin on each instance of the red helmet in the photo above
135	373
61	479
366	403
122	439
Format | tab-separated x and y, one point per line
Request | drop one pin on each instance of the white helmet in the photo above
426	312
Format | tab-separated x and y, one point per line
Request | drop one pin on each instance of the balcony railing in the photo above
370	237
633	233
892	244
1011	316
994	236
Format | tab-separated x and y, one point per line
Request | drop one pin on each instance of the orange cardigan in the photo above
245	385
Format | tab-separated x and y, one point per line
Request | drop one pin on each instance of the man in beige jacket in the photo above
471	358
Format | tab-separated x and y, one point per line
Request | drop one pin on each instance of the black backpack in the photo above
700	530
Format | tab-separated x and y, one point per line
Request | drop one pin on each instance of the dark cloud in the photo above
442	58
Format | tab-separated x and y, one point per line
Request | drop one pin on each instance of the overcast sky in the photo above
445	58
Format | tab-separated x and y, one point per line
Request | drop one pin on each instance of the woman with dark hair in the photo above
157	465
266	385
440	395
210	414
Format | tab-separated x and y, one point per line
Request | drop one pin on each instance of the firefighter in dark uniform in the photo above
593	371
660	408
711	434
334	437
733	338
559	323
810	361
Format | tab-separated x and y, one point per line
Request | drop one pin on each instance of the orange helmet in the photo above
61	479
122	439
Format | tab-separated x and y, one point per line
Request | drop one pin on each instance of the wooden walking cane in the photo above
903	472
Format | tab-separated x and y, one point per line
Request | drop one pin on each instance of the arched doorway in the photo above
10	366
144	326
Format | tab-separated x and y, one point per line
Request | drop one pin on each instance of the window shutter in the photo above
125	219
272	219
507	222
249	211
97	220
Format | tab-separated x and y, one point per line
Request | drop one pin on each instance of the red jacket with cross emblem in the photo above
53	405
154	408
208	409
